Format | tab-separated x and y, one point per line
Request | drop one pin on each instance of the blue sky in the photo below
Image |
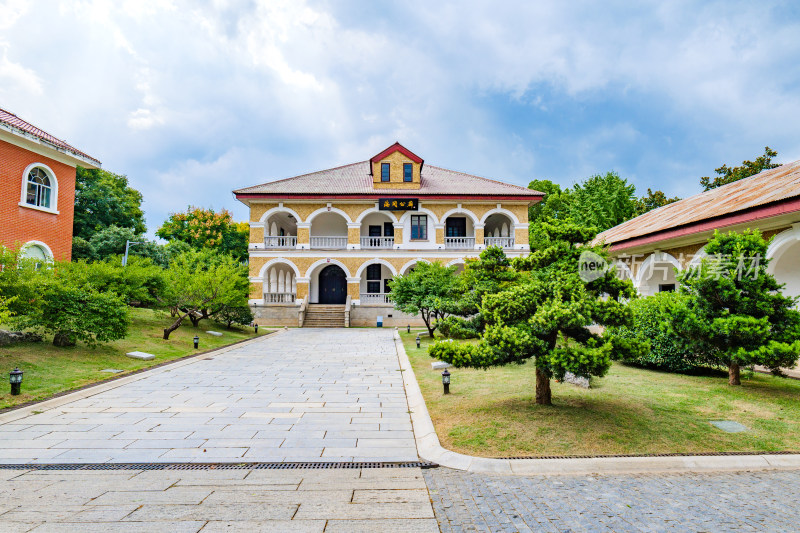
193	99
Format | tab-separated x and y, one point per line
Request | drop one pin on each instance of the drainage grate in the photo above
219	466
698	454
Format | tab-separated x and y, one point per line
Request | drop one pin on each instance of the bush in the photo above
235	315
652	324
454	327
139	283
78	314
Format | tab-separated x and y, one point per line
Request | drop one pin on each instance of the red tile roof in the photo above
355	179
767	187
20	126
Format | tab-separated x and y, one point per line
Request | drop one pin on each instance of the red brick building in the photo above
37	189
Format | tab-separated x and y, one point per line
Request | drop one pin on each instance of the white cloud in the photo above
233	92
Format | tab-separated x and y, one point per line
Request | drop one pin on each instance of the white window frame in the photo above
53	186
47	251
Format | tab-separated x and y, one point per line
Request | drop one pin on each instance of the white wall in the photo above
787	269
329	225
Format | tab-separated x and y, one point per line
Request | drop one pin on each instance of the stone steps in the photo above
324	316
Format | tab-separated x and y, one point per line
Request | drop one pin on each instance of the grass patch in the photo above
492	413
50	370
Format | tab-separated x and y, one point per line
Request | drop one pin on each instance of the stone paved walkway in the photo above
302	395
723	501
338	500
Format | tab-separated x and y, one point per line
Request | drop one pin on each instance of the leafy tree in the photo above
652	326
139	283
603	201
5	312
110	242
241	315
74	314
653	200
726	174
427	291
200	284
555	203
20	281
546	313
736	314
203	228
104	199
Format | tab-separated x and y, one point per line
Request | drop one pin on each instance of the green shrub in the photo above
454	327
652	324
240	315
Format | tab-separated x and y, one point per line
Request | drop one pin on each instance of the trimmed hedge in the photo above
652	324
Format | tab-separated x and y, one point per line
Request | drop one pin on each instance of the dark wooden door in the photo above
332	285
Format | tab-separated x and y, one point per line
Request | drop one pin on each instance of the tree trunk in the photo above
543	393
426	317
63	340
733	374
175	325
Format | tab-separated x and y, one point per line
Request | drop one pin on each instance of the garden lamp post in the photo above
408	328
446	381
127	246
256	326
15	378
418	340
196	341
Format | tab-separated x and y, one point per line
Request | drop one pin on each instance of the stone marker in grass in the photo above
141	355
729	426
112	370
215	333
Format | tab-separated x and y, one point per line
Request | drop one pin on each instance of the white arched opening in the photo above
459	229
784	260
657	274
313	272
499	230
374	282
329	230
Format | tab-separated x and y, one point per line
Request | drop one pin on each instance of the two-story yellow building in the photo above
324	246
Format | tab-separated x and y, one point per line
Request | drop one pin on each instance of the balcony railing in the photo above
503	242
377	242
279	297
375	298
331	243
282	241
459	243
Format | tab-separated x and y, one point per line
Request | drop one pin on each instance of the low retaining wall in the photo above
275	314
367	316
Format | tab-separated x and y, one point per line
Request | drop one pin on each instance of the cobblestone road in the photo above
742	501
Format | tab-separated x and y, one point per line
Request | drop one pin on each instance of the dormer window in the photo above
384	171
407	172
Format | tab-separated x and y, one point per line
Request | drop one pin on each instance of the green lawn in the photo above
631	410
50	370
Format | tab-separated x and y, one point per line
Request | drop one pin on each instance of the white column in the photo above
273	280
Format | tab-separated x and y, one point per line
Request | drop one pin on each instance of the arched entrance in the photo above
332	285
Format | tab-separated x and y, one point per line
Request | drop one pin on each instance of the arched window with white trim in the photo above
39	188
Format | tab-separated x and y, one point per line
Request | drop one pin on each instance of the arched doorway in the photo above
332	285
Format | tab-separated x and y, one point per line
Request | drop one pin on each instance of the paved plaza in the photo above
719	501
300	395
240	501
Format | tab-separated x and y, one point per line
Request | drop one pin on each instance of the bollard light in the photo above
417	340
15	378
196	341
408	328
446	381
256	326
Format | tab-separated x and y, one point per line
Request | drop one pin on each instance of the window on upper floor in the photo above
407	172
456	227
39	188
384	171
419	227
